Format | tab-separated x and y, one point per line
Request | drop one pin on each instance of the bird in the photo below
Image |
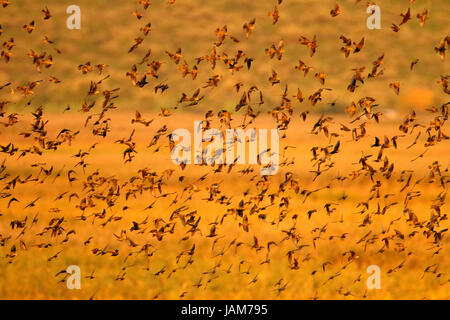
275	15
336	10
249	26
46	12
311	44
89	135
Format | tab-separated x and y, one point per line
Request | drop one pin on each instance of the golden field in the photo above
31	275
87	179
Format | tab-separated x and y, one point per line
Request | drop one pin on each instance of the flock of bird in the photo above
103	200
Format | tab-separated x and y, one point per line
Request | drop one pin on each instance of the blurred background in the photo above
108	30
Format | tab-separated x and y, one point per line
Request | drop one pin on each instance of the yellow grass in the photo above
30	275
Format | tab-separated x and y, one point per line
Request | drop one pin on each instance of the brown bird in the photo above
442	48
29	27
46	13
411	67
274	78
358	46
405	17
336	10
248	27
275	15
395	86
312	45
276	50
422	17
